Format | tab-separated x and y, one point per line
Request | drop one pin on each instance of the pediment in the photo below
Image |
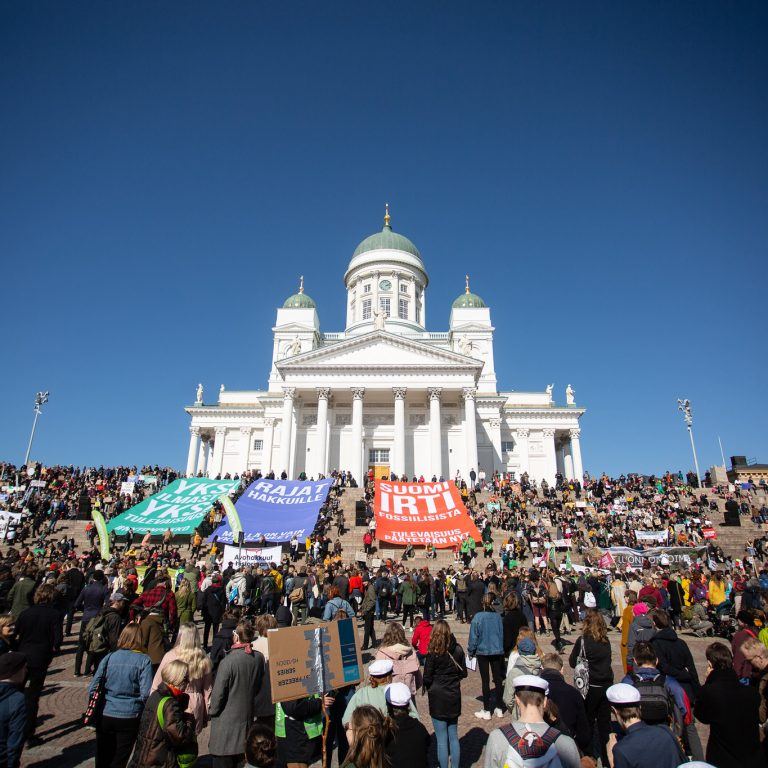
464	327
379	349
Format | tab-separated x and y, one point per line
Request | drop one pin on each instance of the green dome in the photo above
468	301
389	240
299	301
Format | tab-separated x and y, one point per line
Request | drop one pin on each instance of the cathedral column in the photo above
435	432
357	434
321	450
286	427
398	464
470	432
202	458
218	452
498	459
578	467
194	445
266	446
245	447
549	452
522	443
567	461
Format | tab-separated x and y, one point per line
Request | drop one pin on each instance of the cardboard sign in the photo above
252	556
422	513
709	533
313	658
361	557
127	488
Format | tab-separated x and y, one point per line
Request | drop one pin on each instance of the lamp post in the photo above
41	398
685	407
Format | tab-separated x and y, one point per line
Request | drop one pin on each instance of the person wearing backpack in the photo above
642	745
555	609
298	596
462	580
103	630
529	741
383	594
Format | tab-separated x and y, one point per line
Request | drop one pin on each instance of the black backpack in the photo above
657	705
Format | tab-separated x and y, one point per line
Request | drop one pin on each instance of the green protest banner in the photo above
180	506
101	529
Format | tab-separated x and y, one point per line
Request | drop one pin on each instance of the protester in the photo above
368	731
299	730
13	708
379	677
409	743
394	646
260	747
486	642
569	702
126	678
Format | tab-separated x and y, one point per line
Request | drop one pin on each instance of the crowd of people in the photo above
174	639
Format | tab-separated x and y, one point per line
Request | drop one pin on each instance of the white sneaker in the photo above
483	714
498	713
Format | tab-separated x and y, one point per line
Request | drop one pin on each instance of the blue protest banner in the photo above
278	510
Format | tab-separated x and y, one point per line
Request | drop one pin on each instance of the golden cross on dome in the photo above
387	217
466	281
301	284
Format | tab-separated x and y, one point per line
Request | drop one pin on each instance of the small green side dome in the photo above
299	301
468	301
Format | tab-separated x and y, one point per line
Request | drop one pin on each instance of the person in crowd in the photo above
569	702
20	595
732	712
627	616
368	612
335	604
475	593
409	743
260	747
199	671
530	736
444	669
166	734
103	631
222	640
126	677
368	731
594	646
528	662
408	592
746	630
237	682
13	708
642	745
153	635
263	708
299	730
641	629
38	637
512	619
379	677
186	601
7	633
486	642
214	603
395	647
92	599
420	637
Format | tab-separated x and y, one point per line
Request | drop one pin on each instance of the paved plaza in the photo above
68	744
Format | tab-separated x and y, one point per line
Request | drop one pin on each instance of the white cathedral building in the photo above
385	393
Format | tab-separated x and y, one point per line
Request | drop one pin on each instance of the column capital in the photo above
358	393
323	393
195	431
220	431
435	393
399	392
468	393
495	423
246	430
523	432
269	421
549	432
575	434
289	393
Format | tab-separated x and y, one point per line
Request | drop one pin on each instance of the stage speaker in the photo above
360	512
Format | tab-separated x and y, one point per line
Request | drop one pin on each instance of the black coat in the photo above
732	712
297	747
676	597
222	641
675	660
570	705
442	679
512	621
475	592
598	660
409	745
214	603
38	634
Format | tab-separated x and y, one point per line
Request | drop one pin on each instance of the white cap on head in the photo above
531	683
623	695
380	667
398	694
589	600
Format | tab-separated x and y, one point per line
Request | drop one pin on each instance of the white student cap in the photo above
623	695
380	667
398	694
531	683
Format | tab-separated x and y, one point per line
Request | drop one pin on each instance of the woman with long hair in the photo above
512	619
444	669
367	732
186	602
595	646
200	685
486	642
395	647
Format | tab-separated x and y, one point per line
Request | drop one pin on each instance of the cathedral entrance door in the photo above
378	461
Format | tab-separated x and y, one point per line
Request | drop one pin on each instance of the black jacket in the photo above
675	660
297	747
214	603
570	705
732	712
222	641
442	679
475	592
38	634
512	621
409	745
598	660
676	597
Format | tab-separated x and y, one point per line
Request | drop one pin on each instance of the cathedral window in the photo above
367	288
384	305
258	445
403	287
507	446
366	309
402	309
418	313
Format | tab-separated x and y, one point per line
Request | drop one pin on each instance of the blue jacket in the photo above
644	745
648	673
13	717
486	635
128	682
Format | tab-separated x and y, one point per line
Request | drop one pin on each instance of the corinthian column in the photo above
266	447
435	432
321	450
398	464
194	444
357	434
286	427
470	431
522	450
578	467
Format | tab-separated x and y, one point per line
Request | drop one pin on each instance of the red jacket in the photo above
421	635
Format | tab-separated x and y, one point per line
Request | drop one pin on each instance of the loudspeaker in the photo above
360	512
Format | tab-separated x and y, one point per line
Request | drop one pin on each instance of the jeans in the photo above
408	610
461	607
115	737
492	665
209	624
369	633
447	735
599	713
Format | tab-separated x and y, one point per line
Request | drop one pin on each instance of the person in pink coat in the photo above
394	646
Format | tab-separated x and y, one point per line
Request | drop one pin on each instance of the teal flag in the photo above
180	506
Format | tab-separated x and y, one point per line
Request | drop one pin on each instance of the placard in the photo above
127	488
361	557
314	658
252	556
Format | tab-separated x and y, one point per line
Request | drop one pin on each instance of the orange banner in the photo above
421	513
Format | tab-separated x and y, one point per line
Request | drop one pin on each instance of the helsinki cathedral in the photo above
385	393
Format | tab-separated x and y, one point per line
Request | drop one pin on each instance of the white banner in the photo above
126	488
8	519
562	543
252	556
659	537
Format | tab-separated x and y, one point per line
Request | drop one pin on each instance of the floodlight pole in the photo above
41	398
685	407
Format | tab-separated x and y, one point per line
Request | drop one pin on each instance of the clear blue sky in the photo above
169	169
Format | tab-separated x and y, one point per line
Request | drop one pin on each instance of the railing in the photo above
333	336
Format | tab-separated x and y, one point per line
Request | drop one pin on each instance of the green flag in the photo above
232	516
568	560
101	529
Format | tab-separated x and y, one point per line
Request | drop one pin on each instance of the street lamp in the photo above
685	407
41	398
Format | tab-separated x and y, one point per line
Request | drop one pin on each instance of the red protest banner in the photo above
421	513
709	533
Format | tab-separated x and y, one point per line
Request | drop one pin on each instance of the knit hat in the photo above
639	609
526	647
